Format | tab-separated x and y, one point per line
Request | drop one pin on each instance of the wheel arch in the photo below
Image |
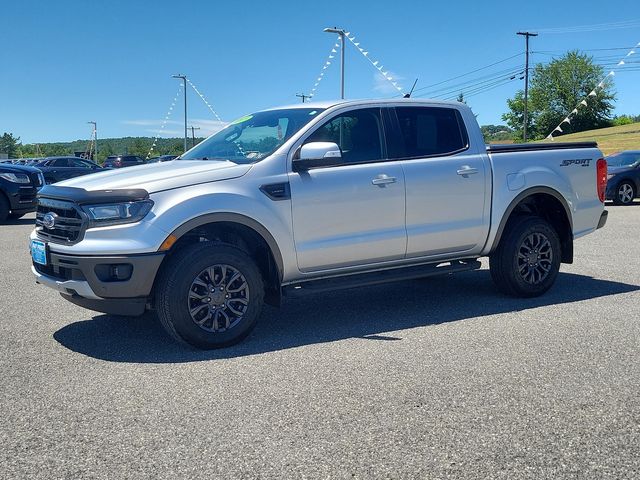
243	232
548	204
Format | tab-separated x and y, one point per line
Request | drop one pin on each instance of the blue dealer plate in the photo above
39	252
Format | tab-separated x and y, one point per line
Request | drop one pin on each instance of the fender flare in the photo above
519	198
220	217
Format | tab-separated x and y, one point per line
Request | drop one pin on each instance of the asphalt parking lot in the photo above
440	378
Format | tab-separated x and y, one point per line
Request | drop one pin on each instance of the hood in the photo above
11	168
154	177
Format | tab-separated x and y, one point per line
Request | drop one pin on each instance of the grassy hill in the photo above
610	140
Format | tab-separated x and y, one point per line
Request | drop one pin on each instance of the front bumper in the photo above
112	284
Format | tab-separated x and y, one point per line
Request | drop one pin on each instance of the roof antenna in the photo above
408	95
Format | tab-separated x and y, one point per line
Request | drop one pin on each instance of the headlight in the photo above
117	213
15	177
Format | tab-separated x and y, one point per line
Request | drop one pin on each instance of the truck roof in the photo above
332	103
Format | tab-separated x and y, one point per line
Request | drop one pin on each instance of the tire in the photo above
4	208
625	193
194	314
527	260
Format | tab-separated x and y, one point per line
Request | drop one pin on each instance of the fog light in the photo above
114	272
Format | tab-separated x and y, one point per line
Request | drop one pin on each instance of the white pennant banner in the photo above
164	123
326	65
375	63
593	93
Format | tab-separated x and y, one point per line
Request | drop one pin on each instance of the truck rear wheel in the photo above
209	295
527	260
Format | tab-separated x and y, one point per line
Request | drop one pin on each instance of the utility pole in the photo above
193	135
95	138
342	34
526	80
184	84
303	96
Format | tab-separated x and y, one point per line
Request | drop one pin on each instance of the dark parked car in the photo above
162	158
119	161
623	183
18	188
56	169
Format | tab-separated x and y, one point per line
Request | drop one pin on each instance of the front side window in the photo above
252	138
429	131
358	134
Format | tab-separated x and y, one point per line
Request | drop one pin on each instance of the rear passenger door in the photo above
446	182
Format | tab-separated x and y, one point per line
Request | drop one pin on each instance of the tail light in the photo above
601	178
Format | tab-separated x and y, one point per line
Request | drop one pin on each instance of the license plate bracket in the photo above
39	252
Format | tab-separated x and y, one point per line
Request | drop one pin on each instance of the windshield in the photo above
251	138
623	159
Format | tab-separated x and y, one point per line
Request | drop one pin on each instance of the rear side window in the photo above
430	131
60	162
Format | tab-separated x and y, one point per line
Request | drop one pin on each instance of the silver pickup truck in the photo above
312	198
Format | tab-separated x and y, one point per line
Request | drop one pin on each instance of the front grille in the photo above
70	223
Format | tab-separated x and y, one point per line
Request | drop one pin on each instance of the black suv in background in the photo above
119	161
18	188
57	169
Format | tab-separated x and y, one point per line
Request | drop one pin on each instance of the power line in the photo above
469	73
590	28
511	75
474	81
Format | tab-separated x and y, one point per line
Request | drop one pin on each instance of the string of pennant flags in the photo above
326	65
165	121
593	92
376	63
209	106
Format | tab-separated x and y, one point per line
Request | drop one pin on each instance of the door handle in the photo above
382	180
467	170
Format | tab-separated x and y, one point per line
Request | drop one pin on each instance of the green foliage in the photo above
9	144
496	133
108	146
555	90
623	120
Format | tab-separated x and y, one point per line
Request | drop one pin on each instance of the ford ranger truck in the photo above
311	198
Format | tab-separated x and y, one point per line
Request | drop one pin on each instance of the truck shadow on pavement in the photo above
366	313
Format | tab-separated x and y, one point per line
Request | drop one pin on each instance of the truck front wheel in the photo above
209	295
527	260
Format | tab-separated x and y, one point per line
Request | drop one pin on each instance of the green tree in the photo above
555	90
140	147
9	145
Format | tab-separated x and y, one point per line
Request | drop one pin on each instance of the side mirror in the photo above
317	154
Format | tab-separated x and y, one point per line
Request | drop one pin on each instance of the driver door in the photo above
352	213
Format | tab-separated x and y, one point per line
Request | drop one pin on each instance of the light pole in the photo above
342	34
526	80
95	137
193	135
184	84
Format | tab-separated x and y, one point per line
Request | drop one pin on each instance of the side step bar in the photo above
378	277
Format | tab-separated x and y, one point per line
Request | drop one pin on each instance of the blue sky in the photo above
67	62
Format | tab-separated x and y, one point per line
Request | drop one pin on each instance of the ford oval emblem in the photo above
49	220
